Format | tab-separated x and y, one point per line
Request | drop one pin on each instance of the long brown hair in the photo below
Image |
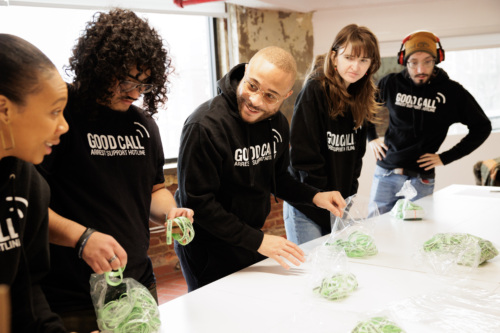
361	96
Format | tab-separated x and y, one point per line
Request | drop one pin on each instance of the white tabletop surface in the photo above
267	298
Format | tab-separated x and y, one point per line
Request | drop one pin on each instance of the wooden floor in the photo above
170	286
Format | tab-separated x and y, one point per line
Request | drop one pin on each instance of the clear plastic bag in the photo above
354	230
452	310
329	276
125	306
455	253
404	209
378	324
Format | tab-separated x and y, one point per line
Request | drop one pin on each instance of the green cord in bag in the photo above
337	286
357	245
186	228
377	325
134	311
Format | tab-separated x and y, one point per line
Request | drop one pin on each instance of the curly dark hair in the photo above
110	44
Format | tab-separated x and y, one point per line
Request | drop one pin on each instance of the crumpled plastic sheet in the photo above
455	310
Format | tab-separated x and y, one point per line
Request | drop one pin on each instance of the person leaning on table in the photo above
32	99
423	103
233	155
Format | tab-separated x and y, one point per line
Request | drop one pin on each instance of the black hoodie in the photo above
227	169
24	245
419	118
325	153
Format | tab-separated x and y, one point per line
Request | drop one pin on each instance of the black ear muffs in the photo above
401	53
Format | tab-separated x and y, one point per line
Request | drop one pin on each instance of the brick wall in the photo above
164	258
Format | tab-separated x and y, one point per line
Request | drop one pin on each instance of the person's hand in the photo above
103	253
378	148
331	201
176	212
277	248
429	161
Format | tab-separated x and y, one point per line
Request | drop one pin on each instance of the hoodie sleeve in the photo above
477	122
307	137
199	178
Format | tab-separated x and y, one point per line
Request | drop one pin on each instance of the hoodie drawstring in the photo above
272	160
250	166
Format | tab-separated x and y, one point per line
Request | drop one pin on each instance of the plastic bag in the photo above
378	324
458	248
329	276
354	230
123	306
404	209
452	310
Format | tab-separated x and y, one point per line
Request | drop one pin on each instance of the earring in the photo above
335	67
12	142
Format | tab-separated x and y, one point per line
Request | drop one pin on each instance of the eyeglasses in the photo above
127	86
425	63
269	98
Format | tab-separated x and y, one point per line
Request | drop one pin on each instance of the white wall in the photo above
460	24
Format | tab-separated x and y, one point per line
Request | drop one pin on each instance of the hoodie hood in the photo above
227	86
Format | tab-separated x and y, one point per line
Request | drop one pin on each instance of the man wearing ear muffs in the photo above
423	103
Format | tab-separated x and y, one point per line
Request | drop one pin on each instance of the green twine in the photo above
186	228
357	245
377	325
135	311
114	274
403	208
337	286
449	241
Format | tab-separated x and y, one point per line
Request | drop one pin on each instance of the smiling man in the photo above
423	103
106	176
233	155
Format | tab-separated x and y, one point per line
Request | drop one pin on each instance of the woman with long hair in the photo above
328	131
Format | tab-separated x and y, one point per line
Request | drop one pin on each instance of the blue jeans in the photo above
299	228
386	184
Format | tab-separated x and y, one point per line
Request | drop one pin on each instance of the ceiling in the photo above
315	5
213	7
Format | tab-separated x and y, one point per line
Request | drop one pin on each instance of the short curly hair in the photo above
109	45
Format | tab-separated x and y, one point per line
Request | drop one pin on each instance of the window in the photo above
55	30
479	72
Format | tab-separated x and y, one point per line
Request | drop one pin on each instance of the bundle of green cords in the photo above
450	241
135	311
186	228
337	286
406	210
377	325
357	245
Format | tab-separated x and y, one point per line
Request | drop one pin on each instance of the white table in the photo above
266	298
